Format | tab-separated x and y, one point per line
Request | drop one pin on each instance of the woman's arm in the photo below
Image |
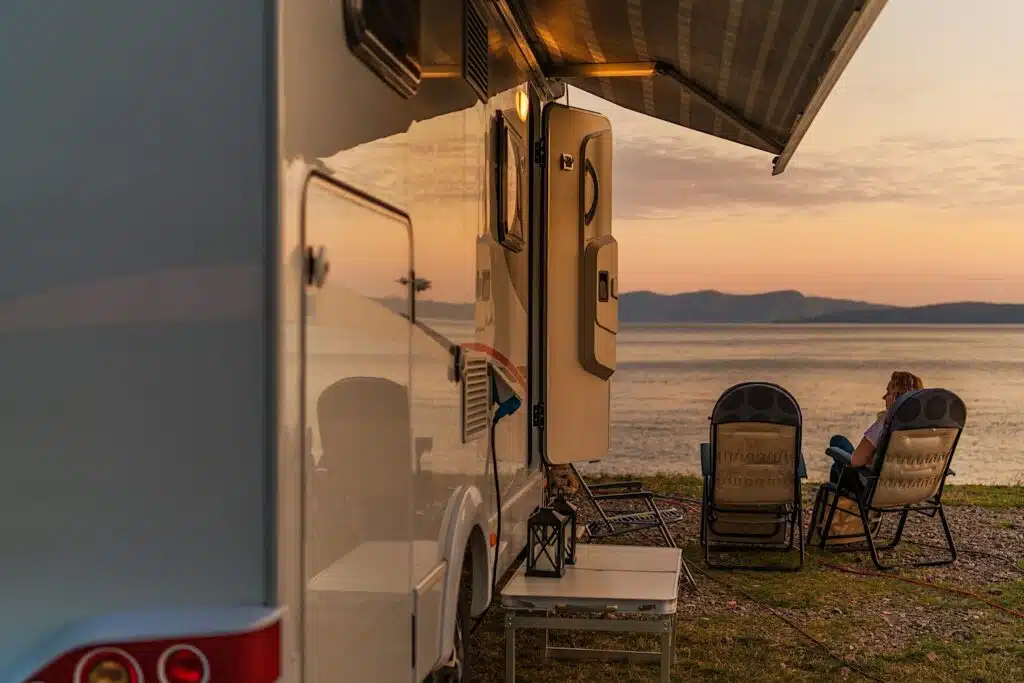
863	454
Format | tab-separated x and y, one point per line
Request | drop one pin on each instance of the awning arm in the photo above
848	43
648	69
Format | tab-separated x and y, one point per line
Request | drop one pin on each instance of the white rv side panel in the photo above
133	345
431	157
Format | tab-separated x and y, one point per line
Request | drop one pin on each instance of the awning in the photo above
755	72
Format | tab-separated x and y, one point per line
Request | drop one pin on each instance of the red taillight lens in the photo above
107	665
183	664
249	657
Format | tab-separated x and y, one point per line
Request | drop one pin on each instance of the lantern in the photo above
564	507
545	543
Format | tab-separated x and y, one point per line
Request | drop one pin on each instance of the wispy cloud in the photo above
667	177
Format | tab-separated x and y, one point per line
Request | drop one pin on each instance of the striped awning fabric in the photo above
751	71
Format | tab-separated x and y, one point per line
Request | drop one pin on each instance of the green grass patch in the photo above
817	587
992	658
999	497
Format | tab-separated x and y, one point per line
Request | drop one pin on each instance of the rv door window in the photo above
385	35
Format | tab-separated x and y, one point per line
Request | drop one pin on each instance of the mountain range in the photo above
789	306
785	306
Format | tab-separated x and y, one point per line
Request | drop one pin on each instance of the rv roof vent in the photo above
474	49
476	396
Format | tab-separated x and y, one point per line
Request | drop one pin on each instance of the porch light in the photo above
522	104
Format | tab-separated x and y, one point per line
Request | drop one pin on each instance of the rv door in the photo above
582	297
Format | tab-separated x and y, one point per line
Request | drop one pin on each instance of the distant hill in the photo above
786	306
710	306
438	310
964	313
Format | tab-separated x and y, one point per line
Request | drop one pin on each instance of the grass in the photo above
993	497
998	497
872	628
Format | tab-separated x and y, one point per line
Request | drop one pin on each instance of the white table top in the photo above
604	578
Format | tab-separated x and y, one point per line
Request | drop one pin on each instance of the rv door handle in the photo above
588	217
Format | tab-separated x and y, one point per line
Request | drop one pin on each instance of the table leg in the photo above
510	650
675	632
667	650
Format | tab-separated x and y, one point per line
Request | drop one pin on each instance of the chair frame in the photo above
614	523
790	514
631	490
868	478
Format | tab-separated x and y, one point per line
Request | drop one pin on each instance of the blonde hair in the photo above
903	382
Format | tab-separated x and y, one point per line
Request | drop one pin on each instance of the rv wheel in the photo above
458	669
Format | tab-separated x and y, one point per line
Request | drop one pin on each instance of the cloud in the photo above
671	176
665	171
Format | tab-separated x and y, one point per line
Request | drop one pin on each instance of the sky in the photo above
908	188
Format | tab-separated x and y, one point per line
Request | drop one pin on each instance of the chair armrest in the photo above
839	455
801	467
950	472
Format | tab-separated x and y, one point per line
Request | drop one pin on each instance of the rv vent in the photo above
476	397
475	49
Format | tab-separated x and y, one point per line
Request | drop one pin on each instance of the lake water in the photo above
669	377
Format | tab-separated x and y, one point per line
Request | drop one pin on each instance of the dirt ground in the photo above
821	623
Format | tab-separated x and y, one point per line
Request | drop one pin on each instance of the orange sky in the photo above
908	189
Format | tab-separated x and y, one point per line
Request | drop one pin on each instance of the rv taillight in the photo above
108	665
250	657
183	664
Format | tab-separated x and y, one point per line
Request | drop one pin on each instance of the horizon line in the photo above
768	292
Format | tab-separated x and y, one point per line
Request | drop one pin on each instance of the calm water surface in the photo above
669	378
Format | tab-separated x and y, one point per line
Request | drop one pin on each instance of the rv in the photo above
301	298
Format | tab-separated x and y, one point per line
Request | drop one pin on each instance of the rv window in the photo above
385	34
510	155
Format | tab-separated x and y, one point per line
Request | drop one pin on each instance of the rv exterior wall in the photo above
381	161
133	337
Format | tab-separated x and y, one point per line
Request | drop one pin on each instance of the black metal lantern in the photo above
564	507
545	548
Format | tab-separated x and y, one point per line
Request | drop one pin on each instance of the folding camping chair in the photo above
908	475
617	522
752	468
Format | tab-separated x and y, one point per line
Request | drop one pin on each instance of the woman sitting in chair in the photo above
900	383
